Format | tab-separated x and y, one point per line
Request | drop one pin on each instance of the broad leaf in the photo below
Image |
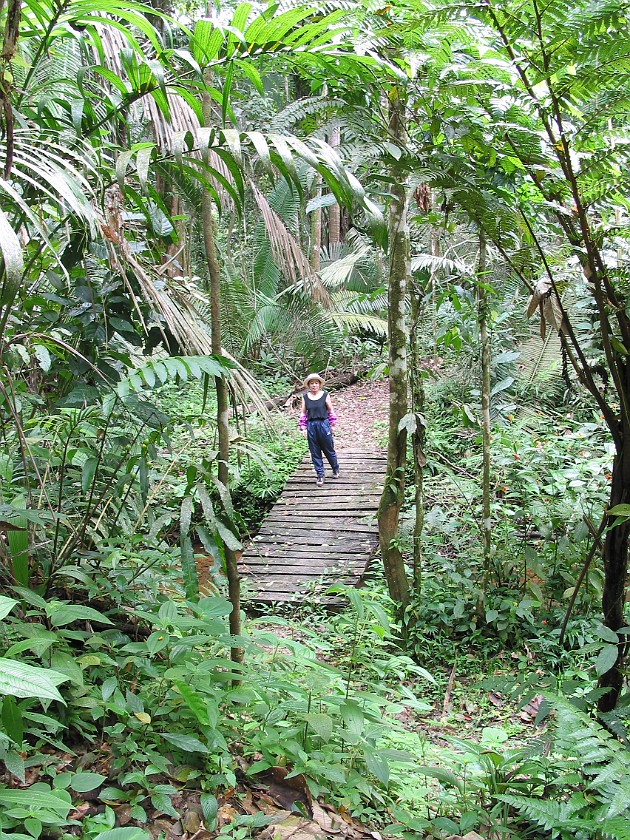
21	680
187	743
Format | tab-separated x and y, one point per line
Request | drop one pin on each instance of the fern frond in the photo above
367	323
617	828
546	813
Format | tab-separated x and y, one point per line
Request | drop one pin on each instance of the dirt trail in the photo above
362	412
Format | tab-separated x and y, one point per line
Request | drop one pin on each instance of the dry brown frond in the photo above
287	252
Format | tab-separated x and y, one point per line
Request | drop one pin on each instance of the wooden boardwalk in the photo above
317	535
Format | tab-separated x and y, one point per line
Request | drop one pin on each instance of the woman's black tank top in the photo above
316	409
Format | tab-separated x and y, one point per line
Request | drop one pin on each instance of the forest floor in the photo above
270	805
362	411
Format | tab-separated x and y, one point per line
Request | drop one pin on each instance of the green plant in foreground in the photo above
573	785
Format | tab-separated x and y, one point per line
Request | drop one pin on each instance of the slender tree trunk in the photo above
416	379
399	272
615	556
221	387
482	314
316	229
334	211
435	251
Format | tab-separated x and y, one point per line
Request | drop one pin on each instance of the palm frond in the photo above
286	250
363	323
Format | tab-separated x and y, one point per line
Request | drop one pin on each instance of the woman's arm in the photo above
332	417
303	417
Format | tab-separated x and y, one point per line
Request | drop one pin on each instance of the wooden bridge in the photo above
317	536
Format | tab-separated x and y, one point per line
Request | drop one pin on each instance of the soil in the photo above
362	412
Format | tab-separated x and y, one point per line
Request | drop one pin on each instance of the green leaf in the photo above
124	834
33	826
228	537
353	717
88	470
189	569
187	743
377	765
252	74
18	542
606	659
61	614
210	810
15	765
620	510
322	725
162	803
84	782
36	800
12	720
194	701
157	641
607	634
21	680
65	663
13	260
447	777
206	41
43	357
6	605
30	597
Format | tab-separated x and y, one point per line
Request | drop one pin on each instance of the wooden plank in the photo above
330	601
290	586
306	562
350	481
299	574
280	549
303	557
323	507
298	569
295	537
331	491
317	515
312	493
263	575
312	530
315	534
324	511
307	519
351	468
348	469
329	502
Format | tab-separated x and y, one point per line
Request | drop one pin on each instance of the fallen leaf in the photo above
331	823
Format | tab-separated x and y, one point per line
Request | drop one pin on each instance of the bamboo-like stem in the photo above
221	387
482	315
399	273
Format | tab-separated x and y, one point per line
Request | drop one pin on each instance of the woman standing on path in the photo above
317	419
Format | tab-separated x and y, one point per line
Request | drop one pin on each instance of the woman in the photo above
316	422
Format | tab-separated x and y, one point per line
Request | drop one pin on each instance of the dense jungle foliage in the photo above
198	205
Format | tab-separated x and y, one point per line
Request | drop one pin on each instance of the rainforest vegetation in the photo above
199	205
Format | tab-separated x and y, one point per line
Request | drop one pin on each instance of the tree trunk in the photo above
316	229
615	557
482	314
399	272
221	387
416	379
334	211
